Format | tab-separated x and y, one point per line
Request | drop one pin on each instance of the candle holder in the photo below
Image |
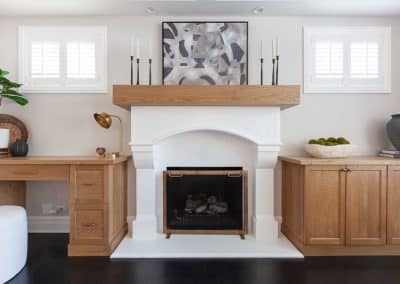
131	70
262	71
273	71
137	71
277	70
150	71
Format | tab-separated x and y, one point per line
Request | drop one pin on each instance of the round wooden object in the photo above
18	129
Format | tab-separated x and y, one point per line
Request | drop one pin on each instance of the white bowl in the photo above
322	151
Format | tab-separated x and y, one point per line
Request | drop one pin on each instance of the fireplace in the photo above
205	200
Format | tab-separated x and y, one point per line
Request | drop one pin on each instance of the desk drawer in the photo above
89	184
88	225
34	172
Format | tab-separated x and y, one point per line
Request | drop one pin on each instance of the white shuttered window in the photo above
347	60
63	59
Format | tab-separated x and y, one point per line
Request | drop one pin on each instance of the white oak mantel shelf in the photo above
250	95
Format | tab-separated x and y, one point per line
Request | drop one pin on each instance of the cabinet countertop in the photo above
62	160
354	160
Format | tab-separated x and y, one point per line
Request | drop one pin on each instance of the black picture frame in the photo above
205	22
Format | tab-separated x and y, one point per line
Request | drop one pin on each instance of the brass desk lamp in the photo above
105	120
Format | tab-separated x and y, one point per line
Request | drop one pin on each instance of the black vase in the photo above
393	130
19	148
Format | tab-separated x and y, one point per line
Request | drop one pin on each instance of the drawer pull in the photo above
27	173
88	184
89	225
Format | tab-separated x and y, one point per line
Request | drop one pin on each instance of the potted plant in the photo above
9	90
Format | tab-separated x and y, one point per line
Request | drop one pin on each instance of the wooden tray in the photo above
18	129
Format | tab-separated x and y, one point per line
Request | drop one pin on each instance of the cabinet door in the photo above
366	205
393	205
324	205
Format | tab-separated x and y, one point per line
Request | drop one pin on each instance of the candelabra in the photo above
131	70
273	71
150	71
277	70
137	70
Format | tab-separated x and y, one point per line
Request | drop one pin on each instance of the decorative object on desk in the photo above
19	148
17	129
4	138
205	53
329	147
9	90
105	120
390	154
393	130
101	151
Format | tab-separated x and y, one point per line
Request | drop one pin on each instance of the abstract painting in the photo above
205	53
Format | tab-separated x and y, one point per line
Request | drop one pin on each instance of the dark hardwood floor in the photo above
48	263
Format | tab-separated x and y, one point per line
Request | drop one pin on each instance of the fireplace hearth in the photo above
205	200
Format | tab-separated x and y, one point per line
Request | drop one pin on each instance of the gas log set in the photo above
205	204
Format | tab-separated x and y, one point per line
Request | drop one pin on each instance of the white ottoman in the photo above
13	241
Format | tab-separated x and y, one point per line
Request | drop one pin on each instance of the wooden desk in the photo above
98	196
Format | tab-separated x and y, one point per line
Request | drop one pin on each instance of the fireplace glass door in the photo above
205	200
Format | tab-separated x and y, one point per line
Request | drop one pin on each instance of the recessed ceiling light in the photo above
150	10
257	10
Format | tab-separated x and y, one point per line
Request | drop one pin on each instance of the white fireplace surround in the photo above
153	125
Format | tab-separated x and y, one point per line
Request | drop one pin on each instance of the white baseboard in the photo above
48	224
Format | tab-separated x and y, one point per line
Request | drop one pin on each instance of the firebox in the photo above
205	200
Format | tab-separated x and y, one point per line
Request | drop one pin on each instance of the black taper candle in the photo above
137	70
277	70
150	71
273	71
131	70
262	71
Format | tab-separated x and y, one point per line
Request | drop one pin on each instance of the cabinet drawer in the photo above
88	225
34	172
89	184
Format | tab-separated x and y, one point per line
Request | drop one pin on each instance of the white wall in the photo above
62	124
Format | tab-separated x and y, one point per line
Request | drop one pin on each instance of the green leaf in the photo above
9	84
3	72
12	92
21	100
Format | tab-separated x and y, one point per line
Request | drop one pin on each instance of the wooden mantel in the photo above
158	95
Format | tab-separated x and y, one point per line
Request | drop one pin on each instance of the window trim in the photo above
23	65
310	31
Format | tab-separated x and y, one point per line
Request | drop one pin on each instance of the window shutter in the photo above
45	59
364	58
81	60
347	59
63	59
328	59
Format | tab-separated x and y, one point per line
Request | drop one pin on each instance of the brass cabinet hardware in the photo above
175	175
88	184
89	225
234	174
